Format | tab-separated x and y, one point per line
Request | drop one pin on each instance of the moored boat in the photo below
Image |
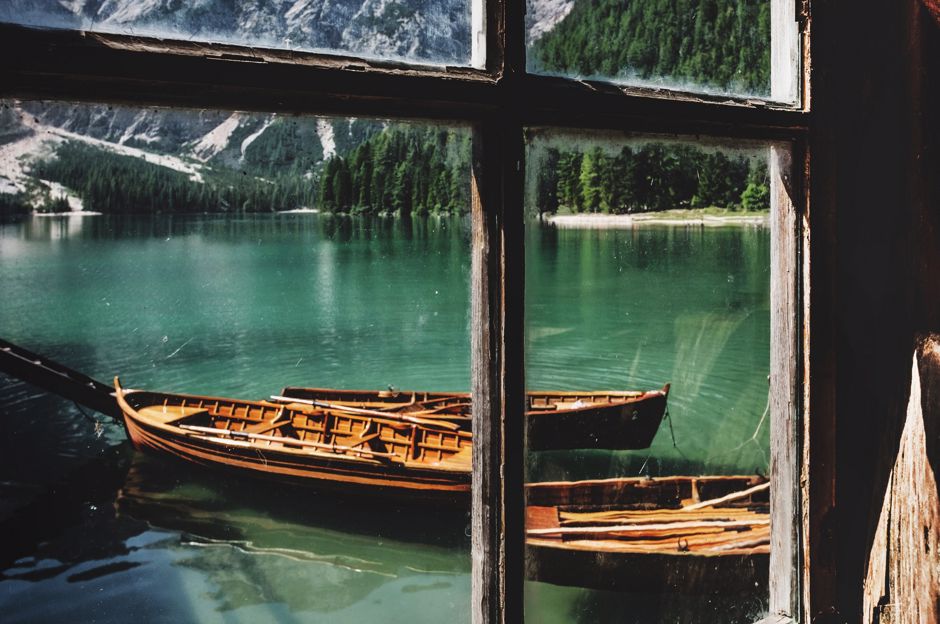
690	535
397	455
616	420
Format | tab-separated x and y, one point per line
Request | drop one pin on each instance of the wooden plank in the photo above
498	387
62	64
58	378
785	382
902	584
729	497
651	528
488	578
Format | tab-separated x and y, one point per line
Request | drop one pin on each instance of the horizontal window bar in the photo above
84	66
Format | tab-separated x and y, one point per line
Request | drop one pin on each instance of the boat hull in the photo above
554	420
565	547
356	472
652	573
404	484
617	426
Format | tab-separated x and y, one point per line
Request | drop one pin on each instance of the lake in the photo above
242	306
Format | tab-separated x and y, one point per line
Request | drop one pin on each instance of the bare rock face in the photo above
426	31
414	30
543	15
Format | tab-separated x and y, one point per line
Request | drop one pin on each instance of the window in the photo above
500	100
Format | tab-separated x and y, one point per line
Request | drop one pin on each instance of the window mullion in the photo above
497	522
785	383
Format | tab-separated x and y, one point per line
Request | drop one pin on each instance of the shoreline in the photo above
627	221
71	213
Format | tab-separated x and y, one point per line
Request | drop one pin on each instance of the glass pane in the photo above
712	46
648	339
429	31
210	253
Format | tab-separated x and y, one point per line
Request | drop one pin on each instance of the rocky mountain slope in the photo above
419	30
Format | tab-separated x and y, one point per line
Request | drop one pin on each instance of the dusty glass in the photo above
230	255
648	327
425	31
711	46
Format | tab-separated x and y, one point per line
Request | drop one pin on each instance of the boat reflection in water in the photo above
171	545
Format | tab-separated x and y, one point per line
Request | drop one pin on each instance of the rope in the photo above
750	440
99	427
672	434
675	445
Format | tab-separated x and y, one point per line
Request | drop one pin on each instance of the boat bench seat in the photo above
170	414
265	426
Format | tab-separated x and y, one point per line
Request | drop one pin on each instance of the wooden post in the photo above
784	384
497	282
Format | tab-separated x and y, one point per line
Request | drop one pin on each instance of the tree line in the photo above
13	205
112	183
656	176
722	44
406	170
403	169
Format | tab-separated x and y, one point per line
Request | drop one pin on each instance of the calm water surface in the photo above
244	306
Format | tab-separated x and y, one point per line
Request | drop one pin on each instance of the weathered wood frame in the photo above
499	102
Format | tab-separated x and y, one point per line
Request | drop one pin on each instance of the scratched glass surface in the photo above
213	253
423	31
647	263
710	46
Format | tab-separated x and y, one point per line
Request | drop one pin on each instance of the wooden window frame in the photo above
498	101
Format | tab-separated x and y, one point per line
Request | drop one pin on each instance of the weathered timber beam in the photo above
75	65
57	378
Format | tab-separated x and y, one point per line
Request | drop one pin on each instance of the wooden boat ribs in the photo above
302	442
554	420
690	534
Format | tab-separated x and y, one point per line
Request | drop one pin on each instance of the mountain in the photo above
267	152
203	160
436	31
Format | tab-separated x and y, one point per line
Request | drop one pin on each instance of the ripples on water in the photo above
244	306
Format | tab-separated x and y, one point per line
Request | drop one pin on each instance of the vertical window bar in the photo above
497	348
486	365
785	404
784	52
497	338
784	387
478	38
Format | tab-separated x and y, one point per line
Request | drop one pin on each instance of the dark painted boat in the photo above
394	455
554	420
691	535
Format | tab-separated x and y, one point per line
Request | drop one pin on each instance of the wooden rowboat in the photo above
406	445
403	456
554	420
690	535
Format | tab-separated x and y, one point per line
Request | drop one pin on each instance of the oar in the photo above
424	408
283	440
730	497
367	412
650	528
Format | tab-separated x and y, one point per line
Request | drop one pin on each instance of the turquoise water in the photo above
243	306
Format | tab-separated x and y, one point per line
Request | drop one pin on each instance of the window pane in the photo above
712	46
430	31
231	255
647	264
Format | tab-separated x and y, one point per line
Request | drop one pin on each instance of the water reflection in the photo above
636	308
129	521
242	306
563	605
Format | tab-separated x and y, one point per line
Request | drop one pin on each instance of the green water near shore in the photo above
244	306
